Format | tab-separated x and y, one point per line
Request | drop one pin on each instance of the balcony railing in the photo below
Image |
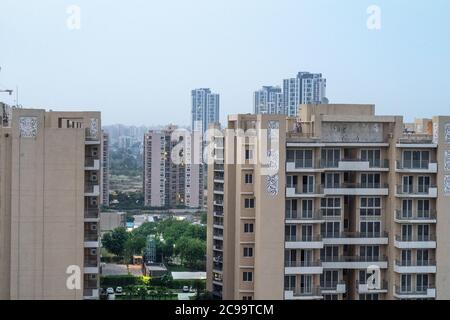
418	263
91	263
307	292
91	213
416	215
91	237
383	284
303	215
354	259
417	290
90	161
416	237
301	264
376	164
330	285
355	186
413	164
312	238
90	186
383	234
414	190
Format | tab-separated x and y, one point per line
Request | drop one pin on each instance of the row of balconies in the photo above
361	165
339	287
321	215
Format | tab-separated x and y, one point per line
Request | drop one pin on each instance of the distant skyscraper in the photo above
205	108
306	88
168	184
268	100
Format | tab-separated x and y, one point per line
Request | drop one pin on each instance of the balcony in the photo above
305	216
416	141
363	288
91	265
337	287
219	177
354	262
355	165
217	248
303	294
91	190
218	167
218	213
303	192
416	166
91	164
91	139
419	216
303	267
297	167
91	240
91	214
424	191
415	242
419	292
304	242
354	189
91	294
427	266
355	238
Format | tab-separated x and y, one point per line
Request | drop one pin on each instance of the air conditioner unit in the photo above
92	276
93	227
93	202
94	177
94	152
93	252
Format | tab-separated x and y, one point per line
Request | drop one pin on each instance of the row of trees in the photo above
172	238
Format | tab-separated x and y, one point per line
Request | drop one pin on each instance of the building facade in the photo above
306	88
169	184
357	208
205	109
50	179
268	100
105	169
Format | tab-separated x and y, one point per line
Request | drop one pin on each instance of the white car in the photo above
110	291
185	289
119	290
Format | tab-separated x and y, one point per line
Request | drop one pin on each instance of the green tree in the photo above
191	251
115	240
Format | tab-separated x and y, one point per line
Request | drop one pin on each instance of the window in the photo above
369	253
248	252
370	206
289	283
370	229
370	180
373	156
330	207
407	208
329	279
307	209
329	253
406	232
249	203
291	209
423	232
290	232
308	184
406	283
422	282
247	276
248	178
423	208
301	158
248	154
332	180
330	158
407	186
330	229
416	159
423	184
248	227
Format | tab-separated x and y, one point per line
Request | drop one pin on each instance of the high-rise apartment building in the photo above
105	169
306	88
204	109
50	165
268	100
167	183
356	206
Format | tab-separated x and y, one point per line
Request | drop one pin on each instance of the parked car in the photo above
110	291
185	288
119	290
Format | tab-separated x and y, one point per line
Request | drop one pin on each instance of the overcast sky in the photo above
137	60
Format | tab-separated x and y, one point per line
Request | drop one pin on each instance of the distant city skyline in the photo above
137	62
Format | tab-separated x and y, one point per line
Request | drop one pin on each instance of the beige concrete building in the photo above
168	184
49	205
357	208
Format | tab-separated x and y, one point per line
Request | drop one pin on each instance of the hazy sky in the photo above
137	60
